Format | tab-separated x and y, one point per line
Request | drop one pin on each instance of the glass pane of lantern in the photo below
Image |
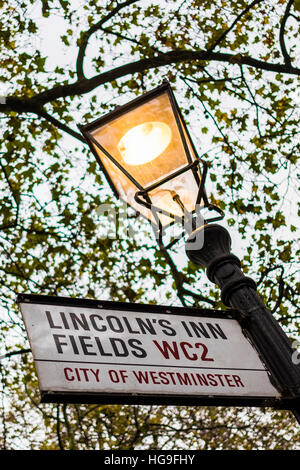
146	142
185	186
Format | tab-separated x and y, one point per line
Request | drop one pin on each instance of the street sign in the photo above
88	351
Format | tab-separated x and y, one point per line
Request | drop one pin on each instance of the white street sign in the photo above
112	351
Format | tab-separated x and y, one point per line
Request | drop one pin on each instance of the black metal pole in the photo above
239	292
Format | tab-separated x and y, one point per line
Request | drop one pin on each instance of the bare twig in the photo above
179	281
253	100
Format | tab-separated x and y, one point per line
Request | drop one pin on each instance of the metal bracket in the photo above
189	220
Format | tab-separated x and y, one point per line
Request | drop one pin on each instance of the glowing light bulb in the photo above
144	143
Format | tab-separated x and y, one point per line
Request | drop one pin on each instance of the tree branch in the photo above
164	59
82	86
16	198
92	30
253	101
15	353
24	105
60	125
220	39
284	51
179	281
207	112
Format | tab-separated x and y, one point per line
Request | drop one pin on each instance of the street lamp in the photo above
150	161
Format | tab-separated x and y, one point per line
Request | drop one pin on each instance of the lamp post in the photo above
239	292
150	161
